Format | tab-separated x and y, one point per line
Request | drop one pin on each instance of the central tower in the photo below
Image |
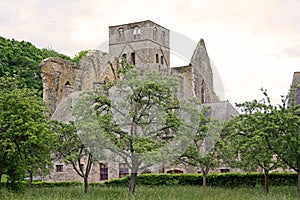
144	44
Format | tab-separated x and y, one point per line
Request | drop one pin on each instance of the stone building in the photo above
145	44
296	84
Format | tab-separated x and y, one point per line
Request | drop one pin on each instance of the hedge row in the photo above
217	180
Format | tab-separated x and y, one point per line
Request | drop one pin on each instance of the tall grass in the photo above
153	193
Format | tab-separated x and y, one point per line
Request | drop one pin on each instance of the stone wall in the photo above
58	77
62	78
203	75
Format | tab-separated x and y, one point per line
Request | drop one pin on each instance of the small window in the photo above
123	170
157	58
103	172
175	171
67	83
155	33
136	33
81	167
59	168
163	37
121	35
202	92
225	170
133	58
124	56
162	60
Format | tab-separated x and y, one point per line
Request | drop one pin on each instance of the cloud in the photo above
238	34
292	52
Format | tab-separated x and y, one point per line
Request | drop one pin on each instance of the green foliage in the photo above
266	136
139	123
79	56
70	149
25	138
203	151
22	58
230	180
225	180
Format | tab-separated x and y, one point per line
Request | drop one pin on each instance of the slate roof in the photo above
222	110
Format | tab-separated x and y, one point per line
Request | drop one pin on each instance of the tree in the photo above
150	118
136	118
24	130
268	135
204	150
284	125
71	150
22	58
248	138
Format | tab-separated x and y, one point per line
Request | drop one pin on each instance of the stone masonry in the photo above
145	44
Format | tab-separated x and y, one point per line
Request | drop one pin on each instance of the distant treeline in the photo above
22	58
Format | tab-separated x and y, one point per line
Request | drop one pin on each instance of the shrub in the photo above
231	180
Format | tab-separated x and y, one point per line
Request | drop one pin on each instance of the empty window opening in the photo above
81	166
162	60
175	171
157	59
163	37
155	33
133	58
225	170
202	92
67	83
121	35
136	33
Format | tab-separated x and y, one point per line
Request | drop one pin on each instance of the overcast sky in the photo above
253	43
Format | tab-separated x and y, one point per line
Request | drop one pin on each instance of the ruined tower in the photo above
145	44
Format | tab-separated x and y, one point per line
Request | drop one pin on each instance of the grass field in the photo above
153	193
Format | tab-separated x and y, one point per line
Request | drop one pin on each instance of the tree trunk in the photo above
86	185
30	179
298	183
132	182
266	186
2	165
204	180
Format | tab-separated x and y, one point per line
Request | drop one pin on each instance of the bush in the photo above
231	180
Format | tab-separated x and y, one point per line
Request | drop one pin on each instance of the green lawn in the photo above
153	193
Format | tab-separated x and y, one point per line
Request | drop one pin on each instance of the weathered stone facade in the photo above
145	44
296	84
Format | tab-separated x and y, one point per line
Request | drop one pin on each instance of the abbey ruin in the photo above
144	44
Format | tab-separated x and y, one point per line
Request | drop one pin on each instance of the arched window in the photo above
202	92
133	58
162	60
136	32
157	58
123	58
163	37
155	33
120	34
